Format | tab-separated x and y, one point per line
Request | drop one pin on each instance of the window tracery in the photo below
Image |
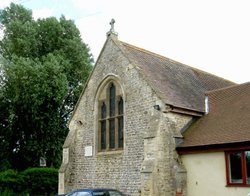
111	120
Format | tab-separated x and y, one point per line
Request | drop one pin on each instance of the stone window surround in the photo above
104	84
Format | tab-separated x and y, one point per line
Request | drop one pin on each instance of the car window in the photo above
83	194
103	193
114	193
72	194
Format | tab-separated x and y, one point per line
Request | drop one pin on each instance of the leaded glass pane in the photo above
235	168
120	132
120	106
103	134
112	100
247	154
112	133
103	109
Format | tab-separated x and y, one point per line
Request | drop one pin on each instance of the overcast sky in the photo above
211	35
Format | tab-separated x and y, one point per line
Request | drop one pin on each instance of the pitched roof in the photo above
177	84
227	121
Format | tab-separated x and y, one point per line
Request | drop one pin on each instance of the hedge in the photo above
31	182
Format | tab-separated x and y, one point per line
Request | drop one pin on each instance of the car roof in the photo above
97	189
92	190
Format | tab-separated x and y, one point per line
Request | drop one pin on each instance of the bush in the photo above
32	182
11	193
41	181
10	181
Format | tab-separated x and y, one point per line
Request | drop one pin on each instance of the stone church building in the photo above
130	120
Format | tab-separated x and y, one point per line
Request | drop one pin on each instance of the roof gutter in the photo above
213	147
171	108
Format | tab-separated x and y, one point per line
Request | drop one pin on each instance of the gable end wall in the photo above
148	163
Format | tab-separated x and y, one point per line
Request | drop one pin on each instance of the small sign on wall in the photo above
65	155
88	151
42	162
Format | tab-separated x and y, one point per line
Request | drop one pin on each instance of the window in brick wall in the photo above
110	129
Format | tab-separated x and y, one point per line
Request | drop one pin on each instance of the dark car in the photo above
94	192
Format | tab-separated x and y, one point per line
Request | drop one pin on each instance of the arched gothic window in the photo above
111	136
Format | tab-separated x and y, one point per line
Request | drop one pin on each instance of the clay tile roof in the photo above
227	121
177	84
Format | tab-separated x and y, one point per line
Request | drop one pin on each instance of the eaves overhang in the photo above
245	145
181	110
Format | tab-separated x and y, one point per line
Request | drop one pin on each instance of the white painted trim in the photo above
206	105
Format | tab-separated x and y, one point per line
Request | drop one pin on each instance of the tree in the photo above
44	66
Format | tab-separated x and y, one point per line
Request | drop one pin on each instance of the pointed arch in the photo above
110	115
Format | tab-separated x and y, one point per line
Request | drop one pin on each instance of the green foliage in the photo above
9	180
44	65
36	92
33	181
19	31
41	181
8	192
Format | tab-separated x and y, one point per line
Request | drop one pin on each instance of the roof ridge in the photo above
211	74
172	60
227	88
152	53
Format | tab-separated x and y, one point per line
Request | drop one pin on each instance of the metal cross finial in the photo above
112	22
